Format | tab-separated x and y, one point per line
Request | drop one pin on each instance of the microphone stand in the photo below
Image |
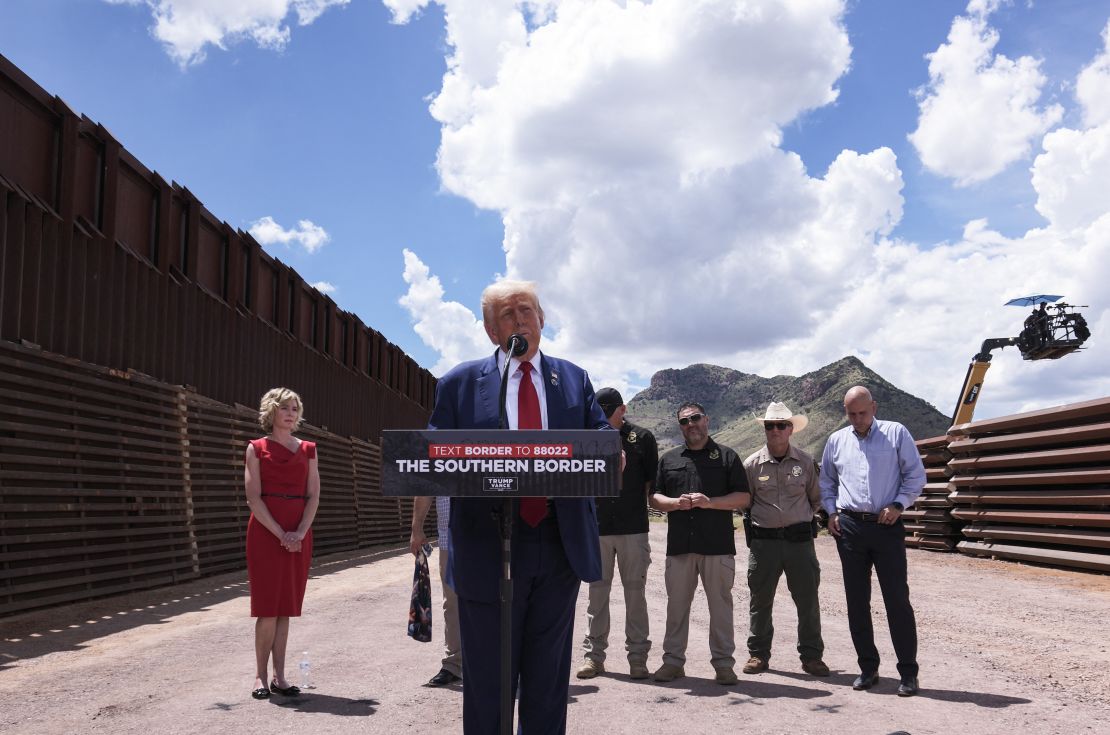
517	346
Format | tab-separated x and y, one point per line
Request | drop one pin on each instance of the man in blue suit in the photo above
551	558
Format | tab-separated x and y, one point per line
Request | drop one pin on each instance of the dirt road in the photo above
1004	649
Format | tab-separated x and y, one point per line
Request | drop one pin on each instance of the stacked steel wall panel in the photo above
111	481
1036	486
929	523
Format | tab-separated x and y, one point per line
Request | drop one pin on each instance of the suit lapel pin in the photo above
554	379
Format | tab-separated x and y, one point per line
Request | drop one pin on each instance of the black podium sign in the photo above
501	464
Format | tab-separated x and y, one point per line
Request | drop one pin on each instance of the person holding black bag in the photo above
779	528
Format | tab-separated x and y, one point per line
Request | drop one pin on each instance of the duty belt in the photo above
797	532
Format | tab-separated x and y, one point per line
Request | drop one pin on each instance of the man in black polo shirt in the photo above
622	523
699	485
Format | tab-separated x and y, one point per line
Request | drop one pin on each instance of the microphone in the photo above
517	345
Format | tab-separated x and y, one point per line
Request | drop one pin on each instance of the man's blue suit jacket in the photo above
467	398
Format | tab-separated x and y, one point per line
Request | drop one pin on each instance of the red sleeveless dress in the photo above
278	577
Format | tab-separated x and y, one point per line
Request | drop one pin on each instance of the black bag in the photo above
420	604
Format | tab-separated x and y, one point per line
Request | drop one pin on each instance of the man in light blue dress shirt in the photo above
870	472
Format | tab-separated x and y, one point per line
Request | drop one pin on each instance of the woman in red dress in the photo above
283	491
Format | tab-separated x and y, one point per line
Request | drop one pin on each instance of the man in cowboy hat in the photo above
779	530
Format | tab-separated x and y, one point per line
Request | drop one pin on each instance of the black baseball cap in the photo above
610	400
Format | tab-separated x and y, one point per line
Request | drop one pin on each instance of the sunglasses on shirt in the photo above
691	419
780	425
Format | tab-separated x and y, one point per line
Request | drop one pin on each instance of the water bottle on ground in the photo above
306	668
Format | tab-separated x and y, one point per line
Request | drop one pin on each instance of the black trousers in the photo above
863	545
545	591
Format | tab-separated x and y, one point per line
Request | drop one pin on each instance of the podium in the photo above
462	463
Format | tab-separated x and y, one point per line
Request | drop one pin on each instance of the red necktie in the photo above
532	510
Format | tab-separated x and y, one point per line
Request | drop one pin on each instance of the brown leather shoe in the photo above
725	675
590	669
755	665
669	672
815	667
638	671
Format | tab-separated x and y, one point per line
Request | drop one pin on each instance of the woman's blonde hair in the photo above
274	397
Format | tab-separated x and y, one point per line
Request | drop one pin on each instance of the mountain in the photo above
732	398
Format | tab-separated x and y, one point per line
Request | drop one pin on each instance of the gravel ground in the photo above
1005	648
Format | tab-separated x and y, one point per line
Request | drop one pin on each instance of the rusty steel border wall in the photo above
103	260
134	326
111	482
1031	487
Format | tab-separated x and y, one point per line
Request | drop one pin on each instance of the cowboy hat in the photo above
779	412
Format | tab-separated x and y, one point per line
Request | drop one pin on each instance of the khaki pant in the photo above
717	572
452	640
632	553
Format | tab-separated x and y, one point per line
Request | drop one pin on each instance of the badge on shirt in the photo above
764	478
715	454
796	471
632	437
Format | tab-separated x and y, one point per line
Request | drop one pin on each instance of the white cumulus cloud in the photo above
633	151
1072	176
309	236
447	327
978	113
324	287
188	27
1092	88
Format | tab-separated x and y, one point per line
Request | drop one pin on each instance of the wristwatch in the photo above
899	506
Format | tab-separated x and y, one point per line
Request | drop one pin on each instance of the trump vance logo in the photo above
500	484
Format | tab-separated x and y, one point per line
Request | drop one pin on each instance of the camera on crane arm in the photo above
1053	330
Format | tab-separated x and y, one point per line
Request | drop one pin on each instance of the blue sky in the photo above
764	185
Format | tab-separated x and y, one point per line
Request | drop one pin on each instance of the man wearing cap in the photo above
779	529
871	472
699	485
622	524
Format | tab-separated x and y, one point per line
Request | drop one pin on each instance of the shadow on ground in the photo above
888	686
745	691
68	627
327	704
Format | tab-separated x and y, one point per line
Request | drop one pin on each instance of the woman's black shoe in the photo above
289	691
261	693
